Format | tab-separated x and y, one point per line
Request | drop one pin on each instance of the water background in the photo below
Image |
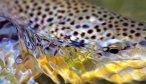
132	8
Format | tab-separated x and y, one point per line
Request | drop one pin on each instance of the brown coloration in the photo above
82	20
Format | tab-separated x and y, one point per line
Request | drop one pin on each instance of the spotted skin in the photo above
81	23
77	20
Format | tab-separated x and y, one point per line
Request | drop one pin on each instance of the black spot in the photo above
140	24
62	23
42	21
35	4
68	19
104	23
102	38
104	16
85	10
24	2
132	31
61	11
39	8
121	20
47	4
118	16
63	28
36	19
137	34
20	10
70	14
77	11
62	5
110	25
93	37
78	26
118	29
96	27
31	1
47	9
125	24
44	16
36	26
80	18
31	14
94	14
113	37
85	26
16	2
98	30
130	36
116	22
75	33
39	13
132	25
132	21
50	13
124	34
33	9
82	41
86	37
111	18
56	30
49	19
90	31
55	7
99	12
43	1
105	28
83	34
27	6
87	17
59	17
100	19
105	11
116	25
124	29
72	23
138	28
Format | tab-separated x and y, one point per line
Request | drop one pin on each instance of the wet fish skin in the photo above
74	20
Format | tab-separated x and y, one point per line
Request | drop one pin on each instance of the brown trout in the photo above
80	23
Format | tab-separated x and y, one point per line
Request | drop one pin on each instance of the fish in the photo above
80	23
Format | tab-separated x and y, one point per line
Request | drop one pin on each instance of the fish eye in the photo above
113	50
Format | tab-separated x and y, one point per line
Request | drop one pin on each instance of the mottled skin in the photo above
80	23
74	20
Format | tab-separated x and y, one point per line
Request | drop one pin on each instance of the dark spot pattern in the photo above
83	20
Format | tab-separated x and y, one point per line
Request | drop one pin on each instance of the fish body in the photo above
77	19
80	22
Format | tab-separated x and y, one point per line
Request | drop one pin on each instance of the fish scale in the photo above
79	20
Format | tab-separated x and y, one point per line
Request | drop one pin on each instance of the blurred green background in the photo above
132	8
